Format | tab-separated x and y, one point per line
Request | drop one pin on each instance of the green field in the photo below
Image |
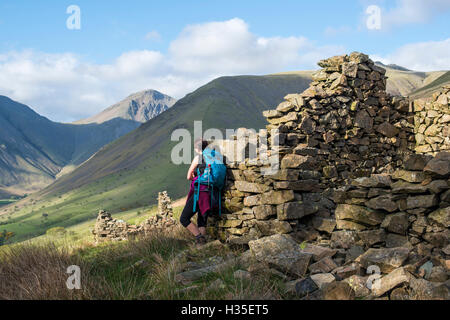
4	202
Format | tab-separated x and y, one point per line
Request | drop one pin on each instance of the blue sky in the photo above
176	46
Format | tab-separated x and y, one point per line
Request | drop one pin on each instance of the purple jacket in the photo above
204	200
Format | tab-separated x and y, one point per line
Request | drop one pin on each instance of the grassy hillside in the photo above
137	269
141	269
432	86
33	149
401	81
130	171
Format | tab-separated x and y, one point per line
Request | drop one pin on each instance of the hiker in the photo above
207	175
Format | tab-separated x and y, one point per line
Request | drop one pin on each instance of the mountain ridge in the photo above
139	106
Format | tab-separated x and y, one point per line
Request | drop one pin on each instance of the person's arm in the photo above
194	164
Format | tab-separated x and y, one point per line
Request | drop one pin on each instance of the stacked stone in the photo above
158	222
411	207
163	220
164	204
432	122
109	229
344	125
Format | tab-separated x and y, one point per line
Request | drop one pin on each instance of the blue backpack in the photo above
213	176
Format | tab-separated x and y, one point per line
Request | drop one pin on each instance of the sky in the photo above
71	59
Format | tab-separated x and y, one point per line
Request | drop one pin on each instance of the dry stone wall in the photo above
409	208
432	122
109	229
343	127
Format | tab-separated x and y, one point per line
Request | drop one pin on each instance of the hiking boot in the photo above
200	240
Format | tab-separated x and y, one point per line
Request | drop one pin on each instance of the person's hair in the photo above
200	144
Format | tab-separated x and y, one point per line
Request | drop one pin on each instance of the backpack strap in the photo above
196	191
220	202
211	195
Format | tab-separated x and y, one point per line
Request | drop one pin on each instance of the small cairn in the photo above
164	204
107	229
164	218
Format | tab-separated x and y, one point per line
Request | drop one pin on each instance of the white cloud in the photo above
420	56
153	35
66	87
413	11
230	48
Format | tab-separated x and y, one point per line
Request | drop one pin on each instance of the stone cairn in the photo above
431	122
109	229
163	220
164	204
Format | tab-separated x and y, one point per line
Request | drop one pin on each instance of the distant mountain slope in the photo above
33	149
227	102
402	81
130	171
141	107
431	87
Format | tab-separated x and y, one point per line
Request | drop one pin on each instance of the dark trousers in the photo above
188	213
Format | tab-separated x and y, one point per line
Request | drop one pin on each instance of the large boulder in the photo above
416	162
343	239
251	187
322	279
396	223
441	217
383	202
277	197
409	176
318	252
387	259
358	214
296	161
295	210
371	237
270	227
282	252
264	212
305	287
338	291
374	181
422	201
439	165
393	279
